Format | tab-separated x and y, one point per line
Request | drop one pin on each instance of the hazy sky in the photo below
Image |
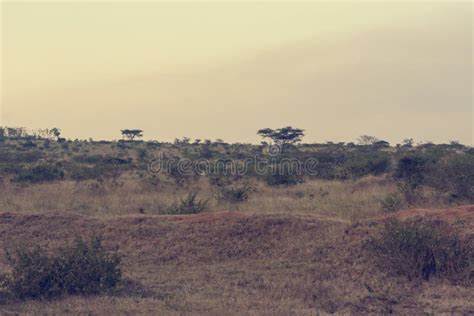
393	69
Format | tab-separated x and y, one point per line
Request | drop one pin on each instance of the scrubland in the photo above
347	201
253	244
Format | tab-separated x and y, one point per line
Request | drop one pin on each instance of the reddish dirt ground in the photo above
460	218
204	217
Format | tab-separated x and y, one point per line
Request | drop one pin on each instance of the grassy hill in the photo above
233	262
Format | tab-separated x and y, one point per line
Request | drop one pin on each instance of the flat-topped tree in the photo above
131	134
366	140
283	136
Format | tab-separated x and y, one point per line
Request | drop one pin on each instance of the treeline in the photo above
25	133
43	156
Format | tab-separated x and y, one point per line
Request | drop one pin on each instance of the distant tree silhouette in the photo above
282	136
381	144
367	140
408	142
12	132
131	134
56	132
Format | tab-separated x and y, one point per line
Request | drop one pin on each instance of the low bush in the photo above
236	193
230	188
412	170
189	205
79	172
392	203
20	157
29	144
283	175
181	174
89	159
101	160
359	166
411	194
276	179
422	250
454	176
83	268
41	173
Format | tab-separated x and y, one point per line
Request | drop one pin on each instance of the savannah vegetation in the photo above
348	181
343	238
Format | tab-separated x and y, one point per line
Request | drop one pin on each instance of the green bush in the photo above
282	174
174	171
275	179
89	159
418	250
357	166
412	169
20	157
29	144
455	176
101	160
83	268
236	193
411	174
229	188
392	203
41	173
79	172
189	205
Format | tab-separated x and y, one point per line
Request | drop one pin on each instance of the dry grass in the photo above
351	200
285	251
233	263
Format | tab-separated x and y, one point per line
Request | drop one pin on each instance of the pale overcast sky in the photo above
224	70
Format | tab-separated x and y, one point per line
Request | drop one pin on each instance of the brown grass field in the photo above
348	201
240	262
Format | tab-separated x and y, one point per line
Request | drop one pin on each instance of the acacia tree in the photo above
131	134
56	132
12	132
408	142
282	136
367	140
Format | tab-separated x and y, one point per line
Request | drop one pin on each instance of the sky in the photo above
208	70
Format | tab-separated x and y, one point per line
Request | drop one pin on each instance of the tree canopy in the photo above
131	134
282	136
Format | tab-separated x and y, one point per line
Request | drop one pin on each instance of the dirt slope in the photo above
460	218
235	263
